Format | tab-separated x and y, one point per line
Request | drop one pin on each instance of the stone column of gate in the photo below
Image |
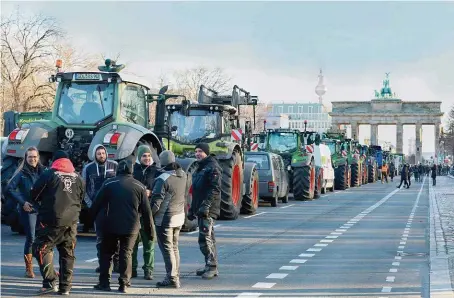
355	130
437	141
399	138
373	134
418	144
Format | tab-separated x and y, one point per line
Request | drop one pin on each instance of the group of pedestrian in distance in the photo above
139	199
407	171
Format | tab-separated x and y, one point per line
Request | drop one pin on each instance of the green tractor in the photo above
364	151
90	108
335	140
298	158
356	162
213	119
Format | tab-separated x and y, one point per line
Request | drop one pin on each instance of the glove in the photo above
204	211
190	215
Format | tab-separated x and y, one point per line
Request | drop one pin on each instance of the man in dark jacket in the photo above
168	199
124	199
434	174
145	172
59	193
94	175
206	201
404	176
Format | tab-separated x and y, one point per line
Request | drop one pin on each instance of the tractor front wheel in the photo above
231	184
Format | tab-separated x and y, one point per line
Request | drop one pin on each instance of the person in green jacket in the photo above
145	172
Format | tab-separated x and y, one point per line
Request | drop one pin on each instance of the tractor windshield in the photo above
332	147
198	126
281	142
85	103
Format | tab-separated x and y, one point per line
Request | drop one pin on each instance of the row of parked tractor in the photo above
113	109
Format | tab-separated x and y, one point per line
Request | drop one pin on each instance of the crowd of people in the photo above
407	171
135	200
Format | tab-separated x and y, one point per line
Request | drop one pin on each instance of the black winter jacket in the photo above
19	188
124	199
145	174
206	187
94	175
169	197
59	193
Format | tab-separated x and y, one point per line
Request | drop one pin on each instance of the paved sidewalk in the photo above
442	237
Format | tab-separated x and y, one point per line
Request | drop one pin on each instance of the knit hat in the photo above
60	154
166	157
204	147
126	166
141	150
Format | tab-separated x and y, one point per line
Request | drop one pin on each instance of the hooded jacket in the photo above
169	196
145	174
206	187
59	193
20	186
94	175
123	199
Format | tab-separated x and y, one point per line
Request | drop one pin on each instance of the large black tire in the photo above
365	173
356	175
318	182
232	170
304	183
250	201
340	177
371	173
189	225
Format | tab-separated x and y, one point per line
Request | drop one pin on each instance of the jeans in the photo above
108	249
148	253
207	241
29	222
168	243
64	238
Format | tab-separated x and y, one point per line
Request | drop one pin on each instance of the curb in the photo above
440	280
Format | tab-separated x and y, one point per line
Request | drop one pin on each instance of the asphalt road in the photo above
370	241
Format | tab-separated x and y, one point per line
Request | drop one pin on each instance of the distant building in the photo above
315	113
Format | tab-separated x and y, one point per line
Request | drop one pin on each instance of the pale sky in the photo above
275	49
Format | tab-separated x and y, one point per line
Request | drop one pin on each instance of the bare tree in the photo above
26	45
188	81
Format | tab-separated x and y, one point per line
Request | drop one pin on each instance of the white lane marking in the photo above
348	224
298	261
393	270
386	289
331	237
287	206
396	264
307	255
249	295
264	285
401	247
277	275
217	226
404	238
397	258
390	278
403	242
326	241
91	260
314	249
335	233
288	268
257	214
400	251
344	227
193	232
341	230
321	245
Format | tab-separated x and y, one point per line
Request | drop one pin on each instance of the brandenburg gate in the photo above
387	109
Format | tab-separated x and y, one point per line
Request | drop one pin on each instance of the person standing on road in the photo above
206	201
392	169
404	176
94	175
384	173
434	174
19	188
145	172
59	193
410	173
167	203
125	199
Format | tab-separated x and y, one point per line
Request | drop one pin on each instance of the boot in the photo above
200	272
29	266
169	283
210	273
148	275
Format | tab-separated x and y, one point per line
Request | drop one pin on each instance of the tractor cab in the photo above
283	141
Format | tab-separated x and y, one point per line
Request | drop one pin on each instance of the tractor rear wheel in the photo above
231	185
371	173
340	177
355	181
304	183
251	199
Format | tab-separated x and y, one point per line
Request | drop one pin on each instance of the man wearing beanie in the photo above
145	172
206	201
59	193
126	199
168	199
